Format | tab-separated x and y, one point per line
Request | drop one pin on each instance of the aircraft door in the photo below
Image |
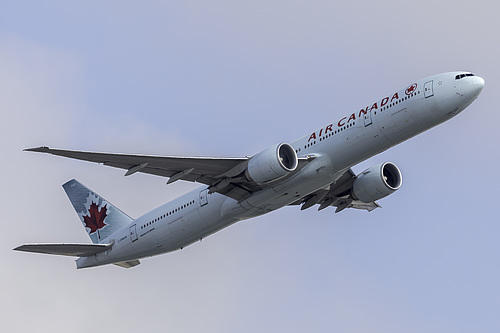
428	89
204	197
133	233
368	118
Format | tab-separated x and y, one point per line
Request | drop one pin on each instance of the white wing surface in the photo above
225	175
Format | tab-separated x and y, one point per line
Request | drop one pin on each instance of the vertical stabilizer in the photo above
99	217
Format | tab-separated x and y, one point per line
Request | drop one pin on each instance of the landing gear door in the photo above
428	89
204	197
368	118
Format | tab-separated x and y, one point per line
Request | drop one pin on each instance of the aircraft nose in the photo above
478	83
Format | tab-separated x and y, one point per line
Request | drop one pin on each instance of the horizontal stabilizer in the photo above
74	250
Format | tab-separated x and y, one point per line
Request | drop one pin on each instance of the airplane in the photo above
315	170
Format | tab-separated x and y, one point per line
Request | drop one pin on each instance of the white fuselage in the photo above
336	147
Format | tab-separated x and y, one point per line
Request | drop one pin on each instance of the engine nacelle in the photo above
273	163
377	182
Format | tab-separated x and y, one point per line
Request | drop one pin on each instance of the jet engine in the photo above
377	182
273	163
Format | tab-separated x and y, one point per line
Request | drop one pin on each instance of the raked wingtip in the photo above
43	149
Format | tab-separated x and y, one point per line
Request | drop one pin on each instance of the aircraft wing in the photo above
223	175
338	194
74	250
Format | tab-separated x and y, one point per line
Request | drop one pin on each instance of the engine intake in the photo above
377	182
273	163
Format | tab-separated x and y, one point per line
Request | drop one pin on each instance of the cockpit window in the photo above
461	76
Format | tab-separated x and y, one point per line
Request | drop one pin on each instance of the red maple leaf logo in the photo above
411	89
95	220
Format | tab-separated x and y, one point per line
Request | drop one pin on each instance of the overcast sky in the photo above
231	78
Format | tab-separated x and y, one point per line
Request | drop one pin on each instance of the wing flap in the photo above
363	205
63	249
128	264
338	194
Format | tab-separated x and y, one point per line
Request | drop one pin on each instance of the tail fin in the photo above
98	216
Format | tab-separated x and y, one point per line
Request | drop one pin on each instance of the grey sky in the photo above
230	78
